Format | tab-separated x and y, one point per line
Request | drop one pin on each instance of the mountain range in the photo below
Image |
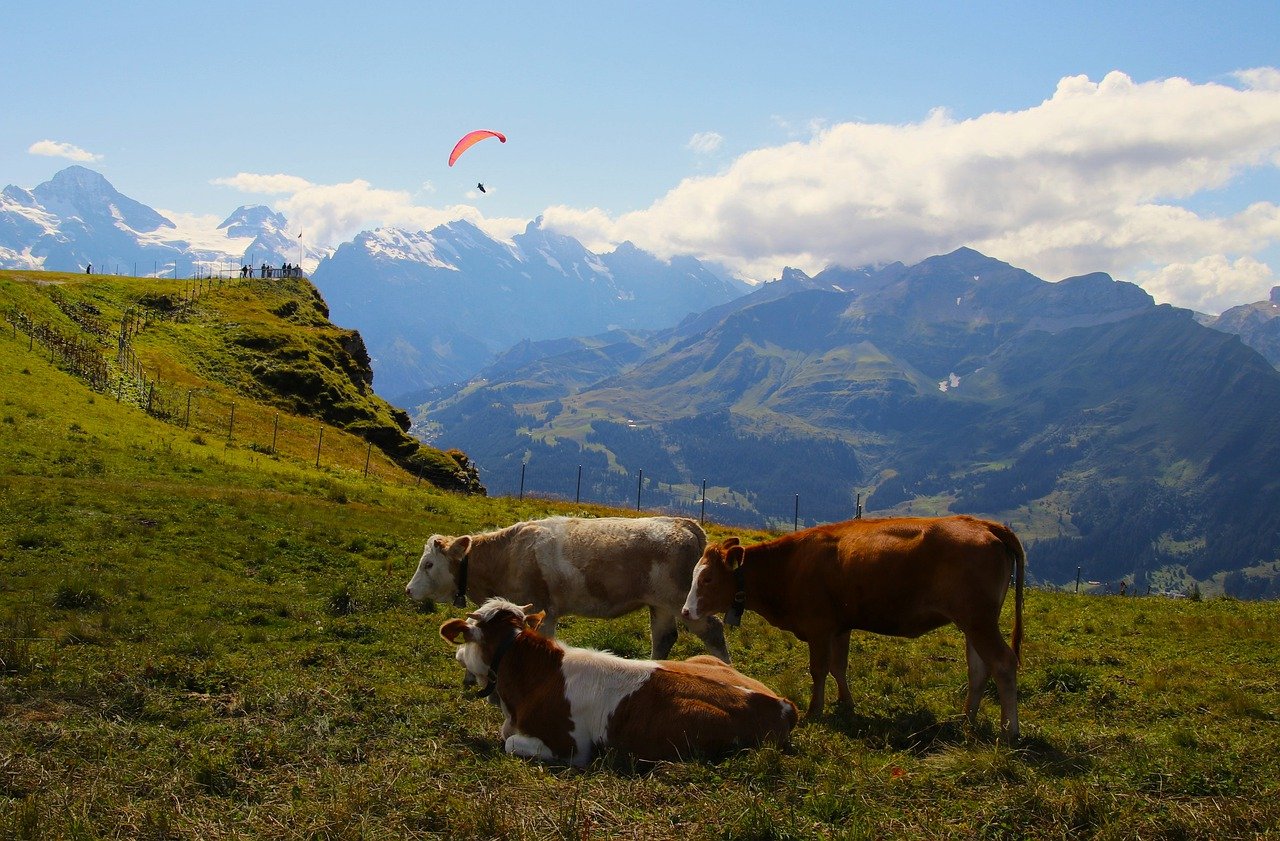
77	220
1120	437
1117	435
435	307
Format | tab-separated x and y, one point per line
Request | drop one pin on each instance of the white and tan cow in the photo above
563	703
600	567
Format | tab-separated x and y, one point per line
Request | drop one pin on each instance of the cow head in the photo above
714	582
436	577
479	636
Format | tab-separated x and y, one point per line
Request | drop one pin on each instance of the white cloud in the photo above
248	182
1093	178
1212	283
56	149
705	142
333	213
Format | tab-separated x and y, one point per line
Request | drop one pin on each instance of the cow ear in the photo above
451	629
459	548
534	620
735	556
729	542
474	616
436	542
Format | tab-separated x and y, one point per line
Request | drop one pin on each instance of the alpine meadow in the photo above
208	521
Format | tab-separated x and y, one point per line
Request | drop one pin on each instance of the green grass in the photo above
200	641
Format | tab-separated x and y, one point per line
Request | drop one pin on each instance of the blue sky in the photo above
756	134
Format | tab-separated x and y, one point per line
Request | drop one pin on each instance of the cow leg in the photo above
840	668
662	632
978	674
1003	665
819	665
532	747
710	630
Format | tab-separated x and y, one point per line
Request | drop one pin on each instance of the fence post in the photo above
857	509
275	431
577	494
318	445
232	425
187	423
522	480
151	393
639	485
1077	580
421	466
367	453
703	518
795	525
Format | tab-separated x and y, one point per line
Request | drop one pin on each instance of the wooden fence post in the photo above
318	444
275	430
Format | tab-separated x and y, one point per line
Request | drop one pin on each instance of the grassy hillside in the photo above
202	639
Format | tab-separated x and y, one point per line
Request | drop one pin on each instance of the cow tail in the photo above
1014	547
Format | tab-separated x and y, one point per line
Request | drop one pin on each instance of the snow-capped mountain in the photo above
78	218
435	307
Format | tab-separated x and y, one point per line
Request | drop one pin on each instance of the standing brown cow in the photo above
902	576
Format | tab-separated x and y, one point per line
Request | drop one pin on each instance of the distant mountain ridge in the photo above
77	219
1115	434
437	306
1257	324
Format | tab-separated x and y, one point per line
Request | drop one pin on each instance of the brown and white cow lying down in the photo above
563	703
901	576
600	567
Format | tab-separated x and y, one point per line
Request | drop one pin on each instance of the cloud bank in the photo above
56	149
1099	176
333	213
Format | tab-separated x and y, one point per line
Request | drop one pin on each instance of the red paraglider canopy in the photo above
470	139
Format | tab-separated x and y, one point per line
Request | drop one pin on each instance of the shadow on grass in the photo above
921	733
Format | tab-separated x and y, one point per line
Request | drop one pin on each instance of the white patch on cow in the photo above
690	611
595	683
529	746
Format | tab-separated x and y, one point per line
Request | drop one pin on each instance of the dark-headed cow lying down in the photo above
601	567
901	576
563	703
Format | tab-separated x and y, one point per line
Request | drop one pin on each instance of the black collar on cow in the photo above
733	616
460	597
492	678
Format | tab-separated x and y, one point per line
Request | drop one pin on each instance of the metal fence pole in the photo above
367	454
639	485
318	445
795	525
275	431
703	518
577	494
522	481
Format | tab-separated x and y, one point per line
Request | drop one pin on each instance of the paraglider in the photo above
481	188
470	139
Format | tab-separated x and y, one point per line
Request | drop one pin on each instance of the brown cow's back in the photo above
901	576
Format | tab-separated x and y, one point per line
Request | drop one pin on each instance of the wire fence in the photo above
212	416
